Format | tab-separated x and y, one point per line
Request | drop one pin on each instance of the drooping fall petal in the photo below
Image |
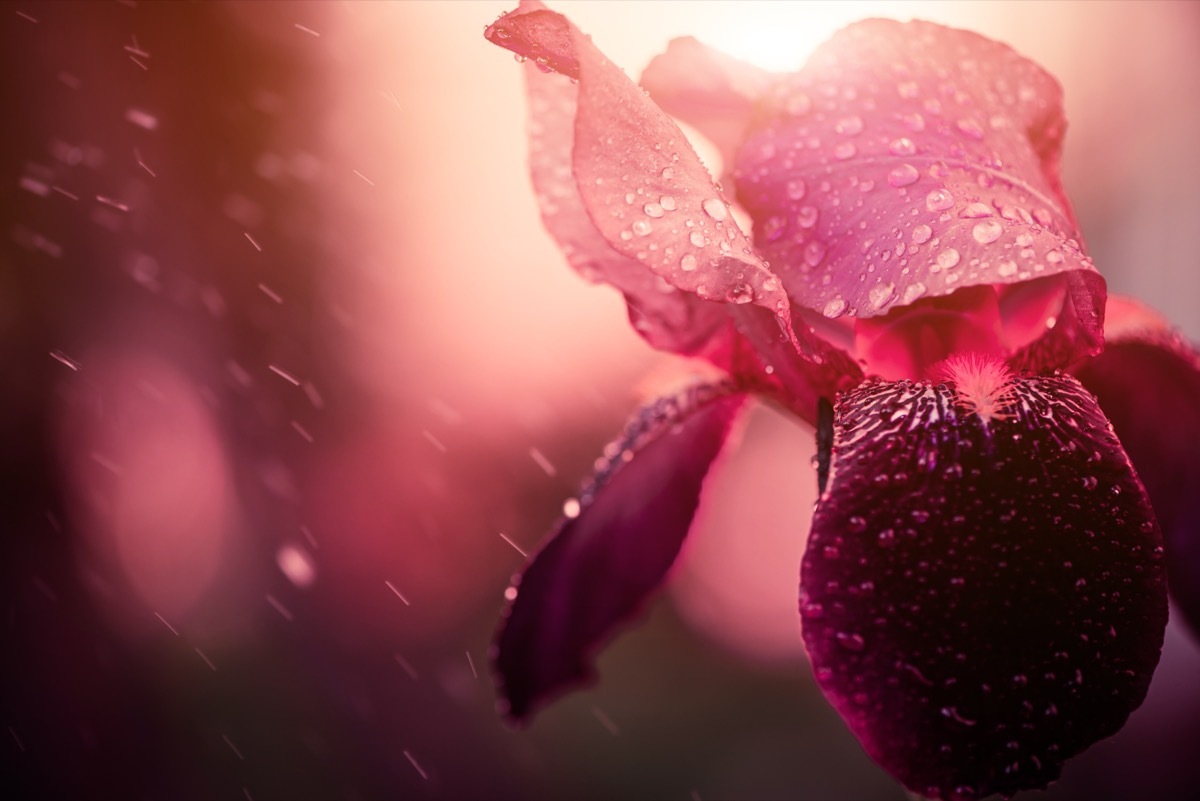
612	549
983	590
1147	380
908	160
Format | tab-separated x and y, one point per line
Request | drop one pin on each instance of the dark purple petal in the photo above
909	160
981	600
599	566
1147	380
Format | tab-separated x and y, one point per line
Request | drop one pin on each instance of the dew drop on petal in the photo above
971	128
849	126
939	200
1007	268
903	175
740	293
806	217
912	292
696	238
667	202
796	189
653	210
881	294
976	210
687	263
641	227
814	253
845	150
850	641
902	147
921	234
987	231
714	208
834	308
948	258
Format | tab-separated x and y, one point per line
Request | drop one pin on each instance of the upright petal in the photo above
714	93
645	191
631	204
1147	380
908	160
983	593
612	549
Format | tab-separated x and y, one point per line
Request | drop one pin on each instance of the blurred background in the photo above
291	375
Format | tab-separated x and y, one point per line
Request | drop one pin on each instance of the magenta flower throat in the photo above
984	590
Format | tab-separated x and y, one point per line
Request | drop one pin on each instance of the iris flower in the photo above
984	590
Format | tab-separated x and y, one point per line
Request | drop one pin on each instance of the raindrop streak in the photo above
606	721
165	623
283	611
306	29
413	761
516	547
365	178
392	587
539	458
252	242
232	747
64	359
471	662
207	661
406	666
284	374
270	293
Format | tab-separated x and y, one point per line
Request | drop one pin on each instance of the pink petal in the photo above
1147	380
908	161
714	93
600	565
631	205
981	601
643	187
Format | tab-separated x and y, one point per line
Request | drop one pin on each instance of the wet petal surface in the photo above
908	161
612	549
639	180
983	590
1148	383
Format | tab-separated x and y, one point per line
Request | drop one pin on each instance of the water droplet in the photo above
834	308
1090	482
921	234
844	150
687	263
641	227
849	126
770	284
970	127
830	552
667	202
939	200
696	238
903	175
976	210
902	147
887	538
1007	268
857	524
1054	257
908	90
571	508
796	188
740	293
881	294
806	217
814	253
668	173
913	122
987	231
850	641
911	292
948	258
653	210
714	208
